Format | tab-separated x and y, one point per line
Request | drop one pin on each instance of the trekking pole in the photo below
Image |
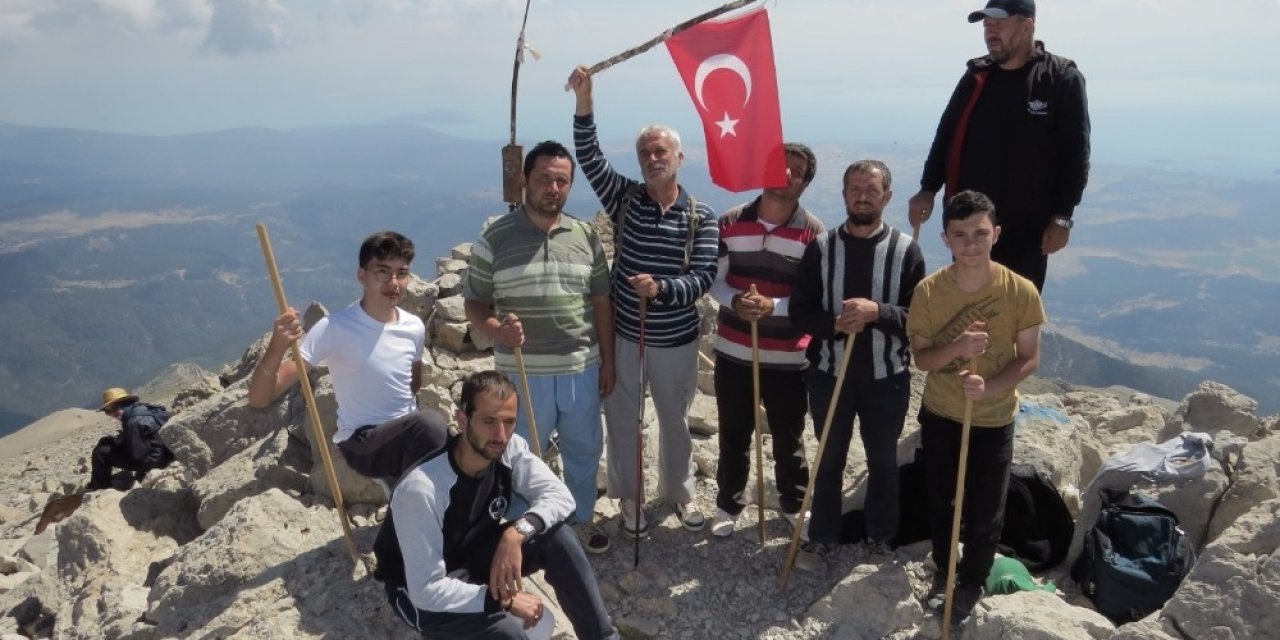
528	403
957	509
813	475
644	307
322	443
755	408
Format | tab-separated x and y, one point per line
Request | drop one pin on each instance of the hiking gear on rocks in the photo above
1134	557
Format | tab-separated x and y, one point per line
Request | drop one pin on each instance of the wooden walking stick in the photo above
957	509
644	307
652	42
755	407
813	475
322	443
528	403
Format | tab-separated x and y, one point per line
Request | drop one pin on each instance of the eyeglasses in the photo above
385	274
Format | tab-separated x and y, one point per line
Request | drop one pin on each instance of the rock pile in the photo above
239	539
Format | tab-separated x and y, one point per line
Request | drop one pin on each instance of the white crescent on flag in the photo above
721	61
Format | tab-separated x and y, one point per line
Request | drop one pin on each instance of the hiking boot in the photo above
630	527
814	554
690	516
966	598
878	551
593	539
937	595
722	524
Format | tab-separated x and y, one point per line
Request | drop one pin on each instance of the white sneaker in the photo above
722	524
630	526
690	515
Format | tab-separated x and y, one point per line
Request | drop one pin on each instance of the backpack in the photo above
1037	524
1133	558
141	424
620	213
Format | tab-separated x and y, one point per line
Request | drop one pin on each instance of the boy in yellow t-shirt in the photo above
975	327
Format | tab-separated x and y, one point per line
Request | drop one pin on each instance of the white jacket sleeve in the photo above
548	497
419	518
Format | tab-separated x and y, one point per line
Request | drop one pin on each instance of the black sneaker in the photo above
966	598
594	540
814	554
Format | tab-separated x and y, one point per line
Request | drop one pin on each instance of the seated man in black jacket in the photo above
137	447
452	568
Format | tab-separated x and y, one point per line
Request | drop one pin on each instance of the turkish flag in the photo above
728	68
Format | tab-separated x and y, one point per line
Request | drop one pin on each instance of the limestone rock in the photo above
419	297
1046	437
356	489
703	417
461	252
1212	407
452	336
271	568
1234	589
450	265
450	284
1035	615
451	309
1255	479
871	602
209	432
276	461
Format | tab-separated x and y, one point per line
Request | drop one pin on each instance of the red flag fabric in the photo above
727	66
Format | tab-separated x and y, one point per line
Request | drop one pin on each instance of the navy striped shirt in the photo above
653	243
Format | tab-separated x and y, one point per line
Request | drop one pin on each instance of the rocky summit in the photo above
240	537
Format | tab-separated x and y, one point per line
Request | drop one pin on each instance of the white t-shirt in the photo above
371	363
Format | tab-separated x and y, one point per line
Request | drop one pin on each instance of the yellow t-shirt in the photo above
940	311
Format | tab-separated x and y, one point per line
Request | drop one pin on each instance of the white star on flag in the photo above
727	126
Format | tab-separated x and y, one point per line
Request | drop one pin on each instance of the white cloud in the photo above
241	27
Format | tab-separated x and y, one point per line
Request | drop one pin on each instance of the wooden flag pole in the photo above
322	443
651	43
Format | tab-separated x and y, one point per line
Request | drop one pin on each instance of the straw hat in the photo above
114	396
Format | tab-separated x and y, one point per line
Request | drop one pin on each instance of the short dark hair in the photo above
810	160
385	245
868	166
550	149
491	381
966	203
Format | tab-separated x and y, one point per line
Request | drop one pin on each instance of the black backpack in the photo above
141	424
1133	558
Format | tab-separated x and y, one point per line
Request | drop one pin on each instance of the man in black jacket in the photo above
137	447
1017	130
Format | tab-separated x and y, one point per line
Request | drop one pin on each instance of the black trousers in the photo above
783	395
386	450
557	552
985	488
1023	256
111	453
881	408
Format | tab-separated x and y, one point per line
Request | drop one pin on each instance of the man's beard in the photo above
863	219
479	447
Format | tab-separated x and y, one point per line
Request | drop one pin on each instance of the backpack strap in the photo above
619	212
695	219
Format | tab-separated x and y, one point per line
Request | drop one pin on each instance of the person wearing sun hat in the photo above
137	448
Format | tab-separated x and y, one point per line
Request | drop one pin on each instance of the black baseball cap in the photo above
1001	9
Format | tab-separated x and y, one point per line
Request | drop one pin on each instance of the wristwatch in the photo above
524	528
1065	223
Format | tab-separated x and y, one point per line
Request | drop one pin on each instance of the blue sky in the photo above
1176	83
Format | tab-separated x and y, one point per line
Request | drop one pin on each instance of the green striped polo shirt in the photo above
547	280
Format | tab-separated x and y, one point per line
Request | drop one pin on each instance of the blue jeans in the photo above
568	404
881	408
